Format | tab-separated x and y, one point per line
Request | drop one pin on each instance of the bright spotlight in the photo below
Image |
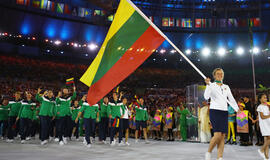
188	51
162	51
206	52
92	46
57	42
75	45
240	51
255	50
173	51
221	51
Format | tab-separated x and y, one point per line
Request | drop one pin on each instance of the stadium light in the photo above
92	46
206	52
188	51
173	51
162	51
240	51
57	42
221	52
255	50
75	45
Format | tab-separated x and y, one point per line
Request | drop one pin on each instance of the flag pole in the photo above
170	42
165	37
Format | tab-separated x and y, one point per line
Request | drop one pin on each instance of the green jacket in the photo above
74	113
64	105
35	114
116	109
46	105
55	111
141	113
26	110
88	111
14	107
103	109
183	115
4	113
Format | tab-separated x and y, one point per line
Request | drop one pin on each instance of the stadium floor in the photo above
154	151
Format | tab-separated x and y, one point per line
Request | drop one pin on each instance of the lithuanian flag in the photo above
131	39
70	80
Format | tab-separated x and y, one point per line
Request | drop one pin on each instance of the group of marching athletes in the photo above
60	119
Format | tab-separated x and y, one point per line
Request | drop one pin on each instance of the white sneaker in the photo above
127	144
9	140
56	140
84	141
50	139
136	141
113	143
65	140
28	138
266	159
104	142
147	142
61	143
121	143
261	153
22	141
88	146
92	140
220	159
77	139
44	142
207	156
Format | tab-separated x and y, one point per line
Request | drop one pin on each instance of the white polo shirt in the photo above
219	95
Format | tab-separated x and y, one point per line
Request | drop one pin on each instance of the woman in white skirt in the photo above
264	122
218	93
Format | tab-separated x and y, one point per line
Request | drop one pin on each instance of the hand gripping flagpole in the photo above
171	43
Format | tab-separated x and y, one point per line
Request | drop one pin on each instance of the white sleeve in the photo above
259	109
207	92
232	100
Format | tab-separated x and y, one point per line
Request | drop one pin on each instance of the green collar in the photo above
218	81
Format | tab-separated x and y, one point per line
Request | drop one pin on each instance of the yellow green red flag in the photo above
131	39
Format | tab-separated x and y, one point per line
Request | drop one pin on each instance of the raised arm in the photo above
38	97
207	91
73	97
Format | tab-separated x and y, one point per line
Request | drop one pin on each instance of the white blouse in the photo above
264	123
219	96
